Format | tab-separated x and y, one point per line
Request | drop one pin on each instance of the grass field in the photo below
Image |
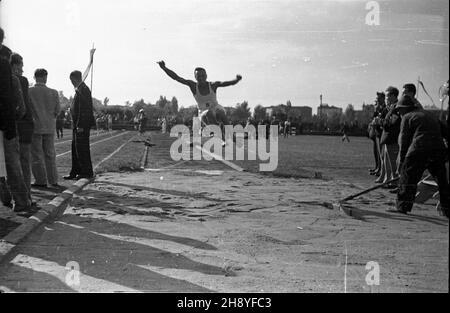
298	157
304	156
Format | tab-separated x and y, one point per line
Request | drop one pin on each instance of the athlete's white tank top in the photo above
208	101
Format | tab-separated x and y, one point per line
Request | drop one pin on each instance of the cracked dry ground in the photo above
227	231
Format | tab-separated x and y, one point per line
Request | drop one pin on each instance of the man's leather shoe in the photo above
69	177
38	186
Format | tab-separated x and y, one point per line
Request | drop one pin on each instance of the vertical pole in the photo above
92	80
92	70
418	87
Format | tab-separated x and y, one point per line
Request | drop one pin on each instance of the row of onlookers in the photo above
28	131
29	117
407	140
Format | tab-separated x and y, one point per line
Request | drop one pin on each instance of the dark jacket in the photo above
25	125
391	127
82	113
420	133
5	52
7	109
375	127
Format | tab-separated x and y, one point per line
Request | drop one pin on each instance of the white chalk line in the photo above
93	144
218	158
113	153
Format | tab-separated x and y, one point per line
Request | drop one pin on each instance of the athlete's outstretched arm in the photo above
229	83
173	75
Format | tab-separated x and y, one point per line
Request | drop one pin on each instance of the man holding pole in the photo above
83	121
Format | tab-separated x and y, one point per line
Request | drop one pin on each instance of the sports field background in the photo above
298	157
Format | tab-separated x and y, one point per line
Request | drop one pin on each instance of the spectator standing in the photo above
60	124
83	121
14	186
382	111
410	91
142	121
45	109
25	126
287	128
164	125
110	122
389	137
344	131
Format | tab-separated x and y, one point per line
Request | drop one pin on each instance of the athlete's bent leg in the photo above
222	120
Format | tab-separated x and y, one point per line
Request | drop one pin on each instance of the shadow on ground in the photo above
362	214
108	253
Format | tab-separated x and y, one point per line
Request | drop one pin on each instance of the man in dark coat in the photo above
25	126
83	121
421	147
14	187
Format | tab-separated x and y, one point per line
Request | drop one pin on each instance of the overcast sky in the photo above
285	50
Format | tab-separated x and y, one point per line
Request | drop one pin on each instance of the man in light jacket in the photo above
45	109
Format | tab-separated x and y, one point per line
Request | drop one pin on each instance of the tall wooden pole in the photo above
92	70
418	87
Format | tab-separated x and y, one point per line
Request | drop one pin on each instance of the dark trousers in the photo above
14	186
59	132
411	173
376	154
81	154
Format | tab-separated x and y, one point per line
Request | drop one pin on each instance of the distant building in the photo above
324	110
304	113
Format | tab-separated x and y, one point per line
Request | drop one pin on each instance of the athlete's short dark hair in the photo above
197	69
76	75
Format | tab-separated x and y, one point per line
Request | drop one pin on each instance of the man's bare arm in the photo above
228	83
174	76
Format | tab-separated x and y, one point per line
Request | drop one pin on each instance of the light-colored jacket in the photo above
45	108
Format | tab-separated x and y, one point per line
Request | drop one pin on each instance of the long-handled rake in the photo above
338	205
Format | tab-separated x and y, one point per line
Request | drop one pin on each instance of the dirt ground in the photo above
207	228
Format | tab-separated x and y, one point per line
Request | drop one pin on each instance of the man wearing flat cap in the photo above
421	147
